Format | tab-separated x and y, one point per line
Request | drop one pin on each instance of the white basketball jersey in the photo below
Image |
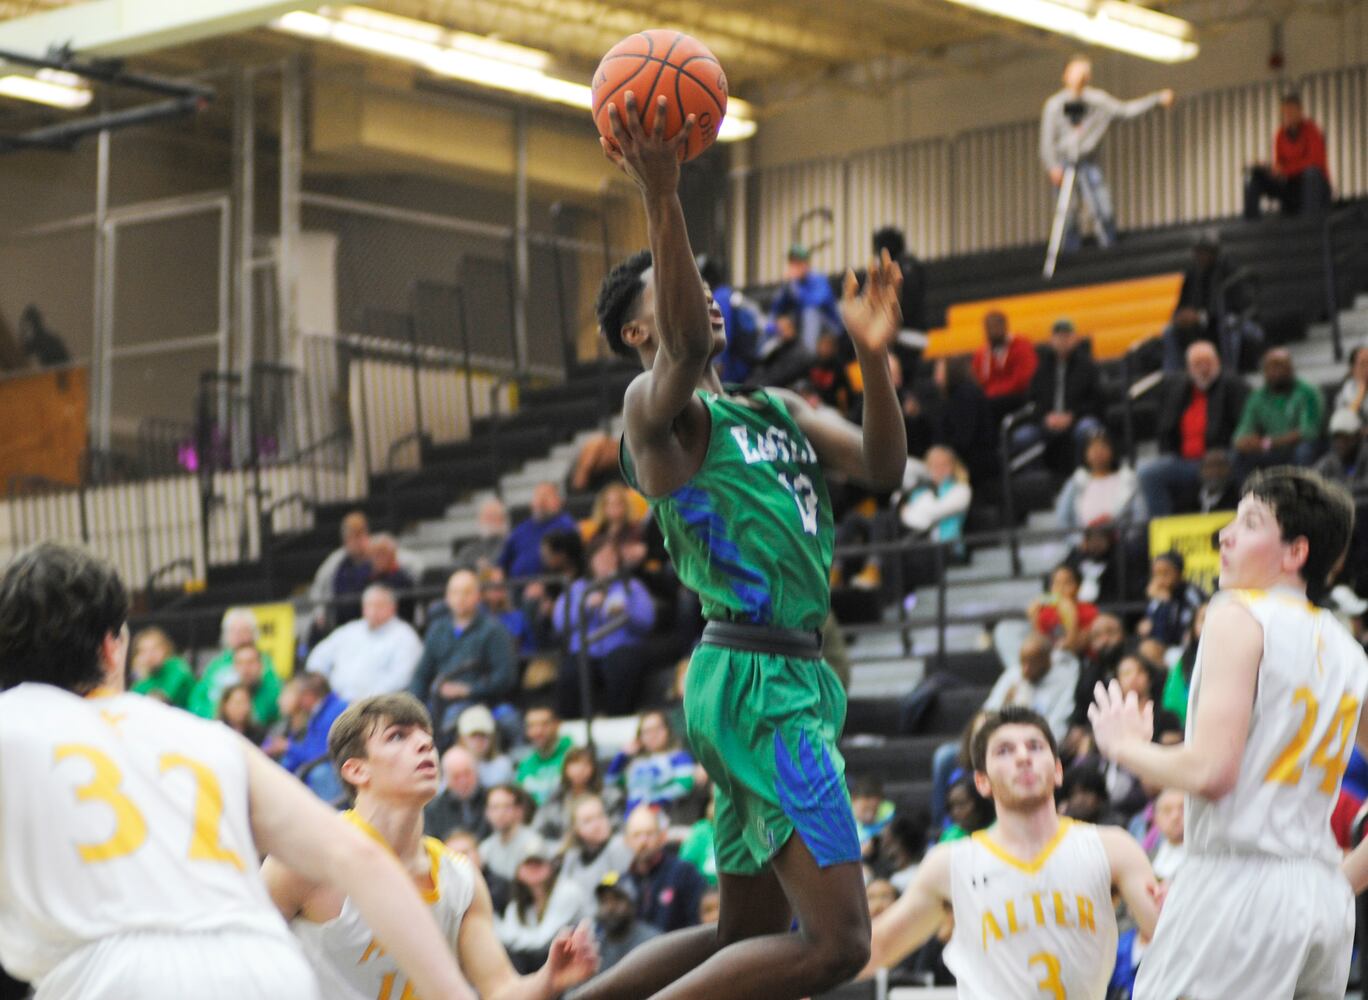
351	964
119	814
1042	928
1310	689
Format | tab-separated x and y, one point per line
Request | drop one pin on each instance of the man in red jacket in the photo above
1003	366
1298	179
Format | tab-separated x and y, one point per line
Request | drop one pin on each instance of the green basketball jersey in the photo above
751	533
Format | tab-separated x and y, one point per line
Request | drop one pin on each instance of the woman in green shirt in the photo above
1175	696
156	669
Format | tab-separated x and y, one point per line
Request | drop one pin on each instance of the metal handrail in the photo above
1333	224
1009	423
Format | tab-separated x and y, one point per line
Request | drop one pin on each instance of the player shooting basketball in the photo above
737	487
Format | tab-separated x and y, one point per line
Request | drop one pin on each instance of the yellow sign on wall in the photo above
276	623
1193	536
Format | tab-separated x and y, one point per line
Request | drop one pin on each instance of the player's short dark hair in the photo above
353	728
1009	715
57	605
1307	505
617	298
890	238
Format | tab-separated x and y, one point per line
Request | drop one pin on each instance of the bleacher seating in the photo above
1114	314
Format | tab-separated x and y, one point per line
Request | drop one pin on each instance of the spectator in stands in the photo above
539	774
593	849
350	567
827	375
239	629
1097	560
315	702
912	296
1198	411
156	670
1004	366
1173	602
542	906
1066	393
1353	391
1281	421
580	777
1060	615
460	805
902	844
616	660
808	297
1201	306
463	842
1085	794
699	847
949	408
1072	125
1170	852
1299	176
616	927
949	762
235	712
386	571
784	358
967	812
937	505
1043	680
1097	664
1100	489
497	601
506	808
670	888
249	670
1347	460
740	318
654	769
872	811
617	519
467	656
562	554
477	732
1217	489
482	552
596	465
1179	681
376	654
522	554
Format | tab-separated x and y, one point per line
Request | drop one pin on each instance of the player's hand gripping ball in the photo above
661	62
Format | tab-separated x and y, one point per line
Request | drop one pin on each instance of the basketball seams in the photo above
646	59
679	35
721	109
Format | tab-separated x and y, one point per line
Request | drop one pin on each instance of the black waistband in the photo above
802	644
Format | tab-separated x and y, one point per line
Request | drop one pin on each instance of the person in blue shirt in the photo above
615	659
810	296
740	319
521	554
314	699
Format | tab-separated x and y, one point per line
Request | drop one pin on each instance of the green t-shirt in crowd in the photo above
540	776
220	675
1175	696
1270	414
698	850
173	680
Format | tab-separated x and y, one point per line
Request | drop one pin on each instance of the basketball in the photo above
651	63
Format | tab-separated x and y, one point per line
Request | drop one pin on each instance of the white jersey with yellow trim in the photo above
350	963
1029	929
1311	686
121	816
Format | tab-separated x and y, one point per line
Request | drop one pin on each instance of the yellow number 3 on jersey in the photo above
1051	984
130	829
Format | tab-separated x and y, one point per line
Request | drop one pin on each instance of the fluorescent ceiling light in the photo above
1112	24
485	62
49	86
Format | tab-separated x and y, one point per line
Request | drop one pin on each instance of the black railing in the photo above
1346	272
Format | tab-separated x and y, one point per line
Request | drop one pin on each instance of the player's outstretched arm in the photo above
877	455
289	822
909	923
1209	764
1132	876
683	326
573	957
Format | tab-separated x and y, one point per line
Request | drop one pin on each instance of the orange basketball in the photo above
651	63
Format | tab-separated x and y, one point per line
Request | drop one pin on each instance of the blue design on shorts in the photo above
750	588
813	797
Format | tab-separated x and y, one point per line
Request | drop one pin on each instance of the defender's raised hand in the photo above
648	158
